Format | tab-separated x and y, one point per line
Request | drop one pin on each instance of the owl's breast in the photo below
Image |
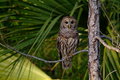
69	34
70	41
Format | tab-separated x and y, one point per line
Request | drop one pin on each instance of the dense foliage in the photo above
31	26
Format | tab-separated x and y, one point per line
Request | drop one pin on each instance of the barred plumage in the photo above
67	40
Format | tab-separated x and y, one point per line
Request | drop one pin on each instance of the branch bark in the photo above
37	58
93	30
107	46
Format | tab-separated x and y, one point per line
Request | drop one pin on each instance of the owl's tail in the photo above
67	63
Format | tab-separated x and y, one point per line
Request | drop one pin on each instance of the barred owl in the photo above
67	40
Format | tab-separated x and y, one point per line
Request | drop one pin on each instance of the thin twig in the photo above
40	59
110	74
107	46
105	36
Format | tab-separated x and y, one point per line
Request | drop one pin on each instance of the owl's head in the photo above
68	22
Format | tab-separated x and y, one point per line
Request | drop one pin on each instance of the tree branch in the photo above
107	46
104	36
40	59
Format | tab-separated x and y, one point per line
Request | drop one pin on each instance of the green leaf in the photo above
26	70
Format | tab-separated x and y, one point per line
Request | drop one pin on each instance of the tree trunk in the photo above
93	27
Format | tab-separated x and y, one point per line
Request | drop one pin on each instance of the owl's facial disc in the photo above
69	23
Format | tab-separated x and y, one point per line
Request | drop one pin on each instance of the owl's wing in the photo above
77	39
59	47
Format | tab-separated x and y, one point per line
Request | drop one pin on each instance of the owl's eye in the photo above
72	22
66	22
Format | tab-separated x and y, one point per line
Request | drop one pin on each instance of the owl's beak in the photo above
69	26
